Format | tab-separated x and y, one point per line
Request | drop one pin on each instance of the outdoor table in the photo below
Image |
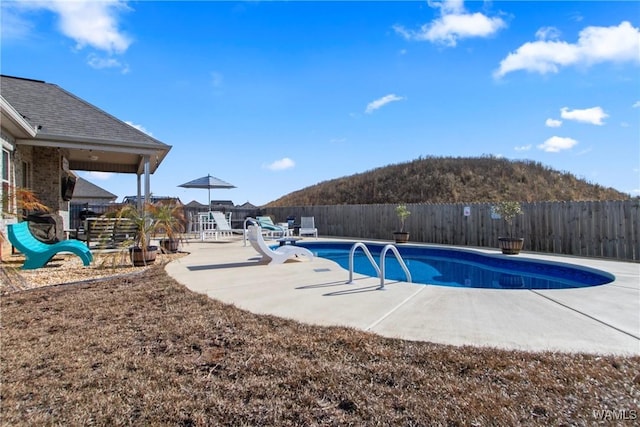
288	240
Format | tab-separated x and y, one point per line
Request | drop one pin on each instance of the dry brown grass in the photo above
143	350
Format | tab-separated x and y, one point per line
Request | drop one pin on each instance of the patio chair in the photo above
223	228
36	253
206	225
308	226
278	255
271	229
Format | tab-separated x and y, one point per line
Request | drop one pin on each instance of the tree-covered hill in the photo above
452	180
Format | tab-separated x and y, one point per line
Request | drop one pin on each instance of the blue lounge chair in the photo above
267	225
37	253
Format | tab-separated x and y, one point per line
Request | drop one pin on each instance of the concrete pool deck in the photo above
603	319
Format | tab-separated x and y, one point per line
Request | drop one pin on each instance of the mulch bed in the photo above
67	268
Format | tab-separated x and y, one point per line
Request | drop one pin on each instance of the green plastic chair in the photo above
37	254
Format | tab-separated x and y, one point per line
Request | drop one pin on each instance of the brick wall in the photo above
22	154
47	177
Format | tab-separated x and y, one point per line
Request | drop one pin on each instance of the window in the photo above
6	181
26	175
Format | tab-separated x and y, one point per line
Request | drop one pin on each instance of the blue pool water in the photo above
463	268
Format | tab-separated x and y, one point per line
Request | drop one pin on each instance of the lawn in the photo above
143	350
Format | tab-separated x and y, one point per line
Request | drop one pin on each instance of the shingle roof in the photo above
153	199
222	203
247	205
64	120
195	204
87	190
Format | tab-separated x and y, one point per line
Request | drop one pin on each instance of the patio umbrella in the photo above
207	182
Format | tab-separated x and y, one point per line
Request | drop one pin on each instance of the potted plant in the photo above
170	221
508	210
403	213
142	253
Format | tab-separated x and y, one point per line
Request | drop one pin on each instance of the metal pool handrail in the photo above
383	254
367	253
380	269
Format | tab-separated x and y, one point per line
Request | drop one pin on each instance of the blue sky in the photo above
277	96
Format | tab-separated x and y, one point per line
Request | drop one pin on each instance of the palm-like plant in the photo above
170	220
142	219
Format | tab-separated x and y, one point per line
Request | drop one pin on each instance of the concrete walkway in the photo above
603	319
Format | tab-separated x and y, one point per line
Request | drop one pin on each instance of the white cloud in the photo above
13	25
98	62
585	151
523	148
448	6
338	140
593	115
576	17
89	23
454	24
542	57
282	164
548	33
381	102
139	127
102	176
595	44
636	105
553	123
556	144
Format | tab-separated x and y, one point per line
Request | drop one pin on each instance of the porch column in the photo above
147	179
139	193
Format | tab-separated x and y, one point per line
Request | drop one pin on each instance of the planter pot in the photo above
140	258
169	245
401	236
510	245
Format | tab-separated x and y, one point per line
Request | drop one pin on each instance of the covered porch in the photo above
48	133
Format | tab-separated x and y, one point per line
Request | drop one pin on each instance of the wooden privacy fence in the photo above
608	229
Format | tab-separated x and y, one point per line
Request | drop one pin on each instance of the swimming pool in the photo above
463	267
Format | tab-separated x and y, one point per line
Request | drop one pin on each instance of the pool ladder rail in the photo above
379	269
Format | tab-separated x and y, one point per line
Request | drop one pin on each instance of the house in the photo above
167	200
47	133
89	200
217	205
197	206
247	205
87	193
